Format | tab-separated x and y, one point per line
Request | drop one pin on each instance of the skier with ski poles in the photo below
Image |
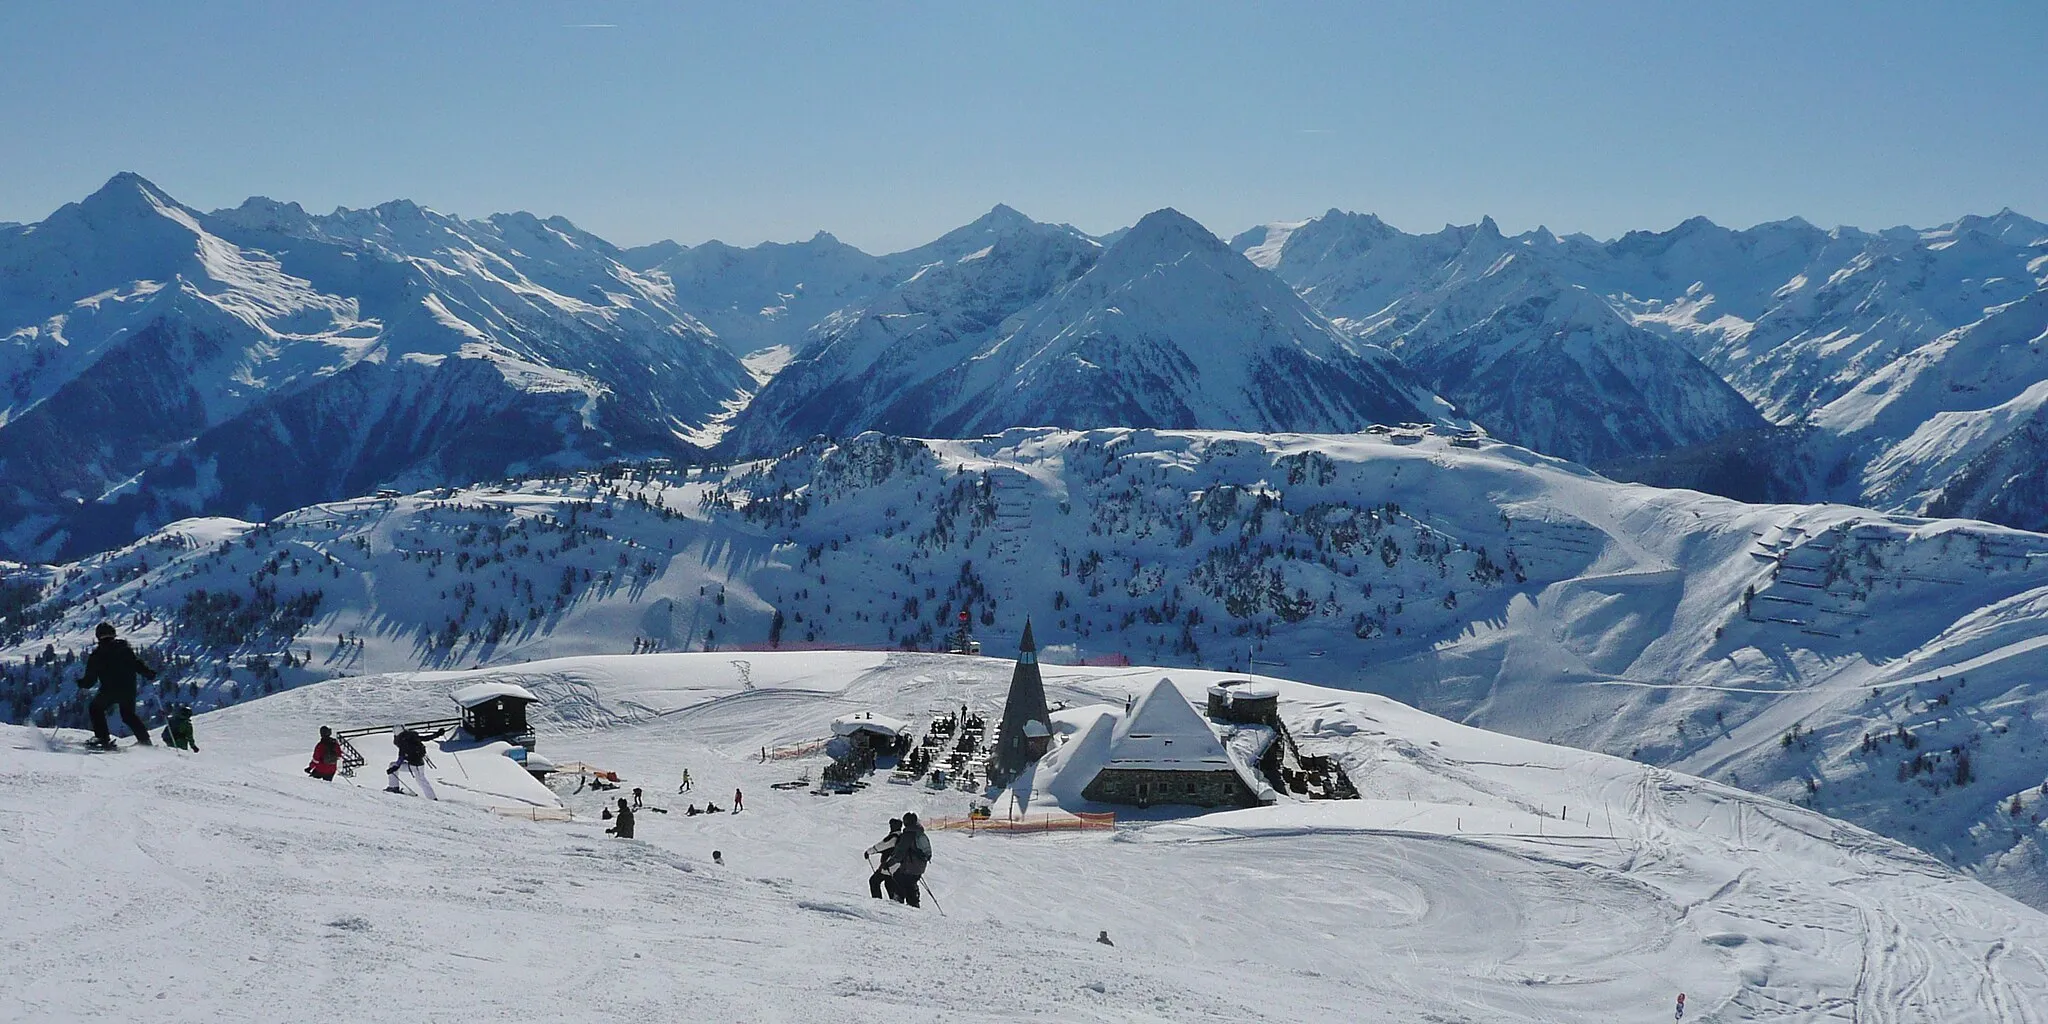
412	756
113	666
880	878
913	851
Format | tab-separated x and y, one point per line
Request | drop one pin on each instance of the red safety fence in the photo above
1028	824
804	749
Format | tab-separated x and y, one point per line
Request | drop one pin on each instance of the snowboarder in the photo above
879	878
738	802
178	732
1104	938
412	756
1680	1013
624	827
113	666
711	808
913	852
636	798
326	756
685	787
718	858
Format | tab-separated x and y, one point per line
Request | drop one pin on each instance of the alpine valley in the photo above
278	448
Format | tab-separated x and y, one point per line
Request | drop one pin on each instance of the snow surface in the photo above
1484	878
1489	585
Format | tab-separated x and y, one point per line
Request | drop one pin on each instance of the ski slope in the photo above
1484	878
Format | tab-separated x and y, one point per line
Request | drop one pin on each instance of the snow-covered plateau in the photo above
1880	668
1481	878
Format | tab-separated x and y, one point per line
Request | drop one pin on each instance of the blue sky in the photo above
888	123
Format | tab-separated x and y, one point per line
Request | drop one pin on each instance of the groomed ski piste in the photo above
1481	878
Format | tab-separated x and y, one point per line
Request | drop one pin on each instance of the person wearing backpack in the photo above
326	756
412	757
112	666
913	851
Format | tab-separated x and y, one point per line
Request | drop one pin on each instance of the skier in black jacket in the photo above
881	878
113	666
412	757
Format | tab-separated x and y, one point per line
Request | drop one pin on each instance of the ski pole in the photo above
935	896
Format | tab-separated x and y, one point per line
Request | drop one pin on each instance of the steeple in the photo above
1026	725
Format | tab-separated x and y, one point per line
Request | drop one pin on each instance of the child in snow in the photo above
326	756
112	666
178	733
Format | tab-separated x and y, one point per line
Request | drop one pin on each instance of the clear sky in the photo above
887	123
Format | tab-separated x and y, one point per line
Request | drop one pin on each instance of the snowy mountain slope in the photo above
772	296
1167	328
1865	337
1483	879
874	367
153	352
1491	585
1492	324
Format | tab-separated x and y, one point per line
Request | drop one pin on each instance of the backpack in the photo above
914	854
411	749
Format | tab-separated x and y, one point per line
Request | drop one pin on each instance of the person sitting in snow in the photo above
326	756
412	757
691	811
112	666
178	732
623	828
711	808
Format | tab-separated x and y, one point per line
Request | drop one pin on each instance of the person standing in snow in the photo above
623	827
738	802
412	757
113	666
326	756
913	851
685	787
636	798
178	732
879	878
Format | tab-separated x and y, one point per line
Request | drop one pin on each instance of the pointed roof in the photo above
1165	733
1024	707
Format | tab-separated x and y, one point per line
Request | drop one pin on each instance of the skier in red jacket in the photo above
326	756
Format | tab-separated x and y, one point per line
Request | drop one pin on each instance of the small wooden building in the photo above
496	711
1164	753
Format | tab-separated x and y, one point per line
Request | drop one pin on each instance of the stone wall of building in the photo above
1146	788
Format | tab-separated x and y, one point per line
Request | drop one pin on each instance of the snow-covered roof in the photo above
1165	733
477	693
1245	690
868	721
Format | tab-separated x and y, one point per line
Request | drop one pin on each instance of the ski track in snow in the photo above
1484	879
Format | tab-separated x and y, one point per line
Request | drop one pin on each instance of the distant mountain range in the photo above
161	362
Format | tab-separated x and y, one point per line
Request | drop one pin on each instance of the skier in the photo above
913	852
326	756
113	666
412	756
737	802
624	827
879	878
178	733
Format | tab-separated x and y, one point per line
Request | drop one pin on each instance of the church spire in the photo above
1026	725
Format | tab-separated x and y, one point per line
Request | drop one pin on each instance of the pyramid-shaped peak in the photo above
129	191
1003	215
1168	223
